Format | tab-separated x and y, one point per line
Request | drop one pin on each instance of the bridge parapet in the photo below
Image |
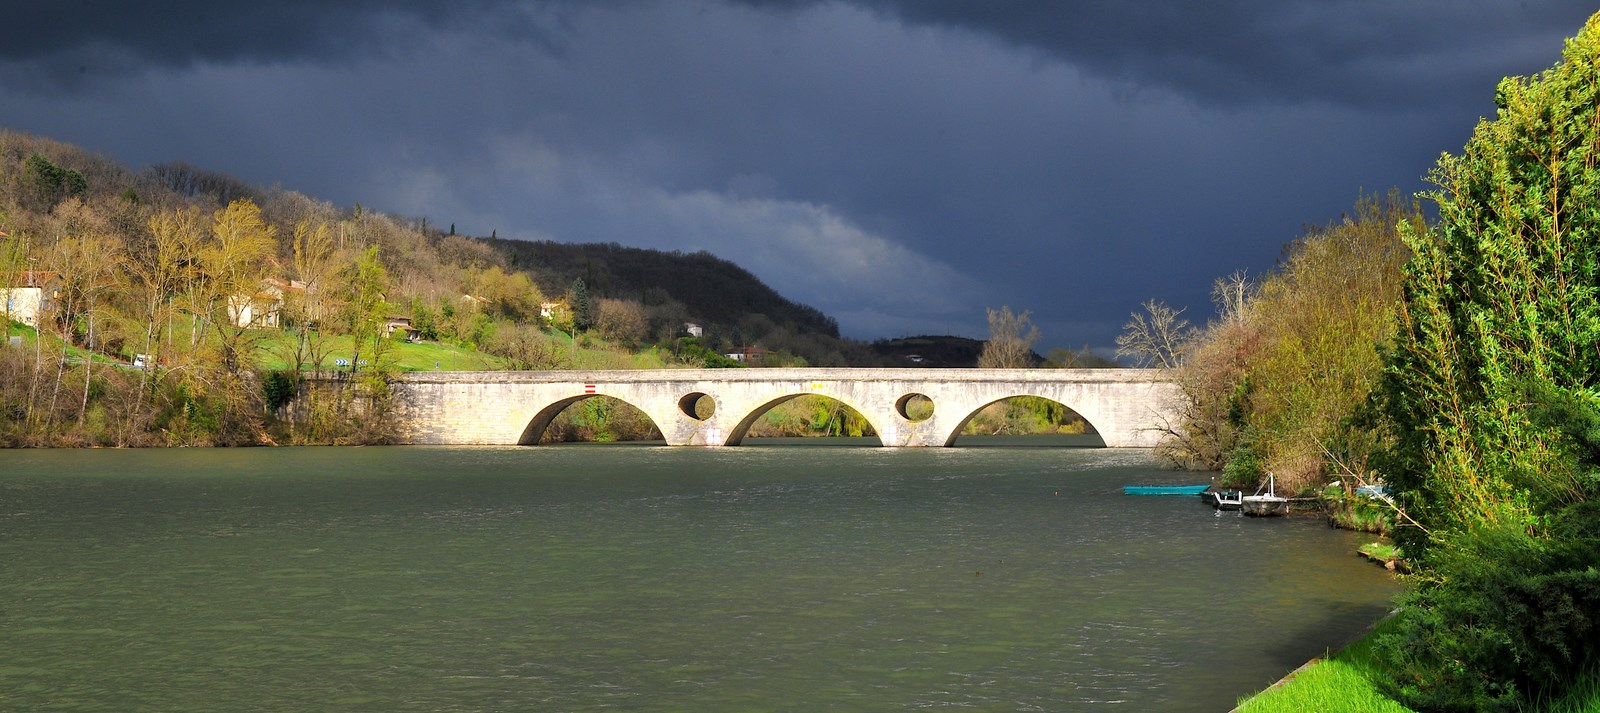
1126	406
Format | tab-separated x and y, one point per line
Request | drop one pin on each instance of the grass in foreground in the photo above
1344	683
1584	697
1341	683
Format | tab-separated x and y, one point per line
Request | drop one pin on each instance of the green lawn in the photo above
277	352
1341	683
1344	683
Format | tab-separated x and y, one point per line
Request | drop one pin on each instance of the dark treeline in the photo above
733	307
715	290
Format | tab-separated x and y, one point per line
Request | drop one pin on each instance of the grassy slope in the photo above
52	344
1341	683
1344	683
277	352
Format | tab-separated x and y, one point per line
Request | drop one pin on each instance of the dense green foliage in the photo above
49	184
1491	392
1271	386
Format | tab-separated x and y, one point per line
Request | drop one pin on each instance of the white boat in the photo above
1268	504
1226	500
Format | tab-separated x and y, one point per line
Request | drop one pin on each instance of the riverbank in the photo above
1348	681
1341	682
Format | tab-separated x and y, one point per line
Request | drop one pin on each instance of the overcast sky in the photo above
898	164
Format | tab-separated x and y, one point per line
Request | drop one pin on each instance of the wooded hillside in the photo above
711	290
148	303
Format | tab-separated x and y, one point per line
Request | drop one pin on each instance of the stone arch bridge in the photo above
1125	406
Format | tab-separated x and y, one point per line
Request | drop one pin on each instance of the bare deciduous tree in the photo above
314	301
1230	294
236	261
161	265
524	346
622	321
1011	340
1155	337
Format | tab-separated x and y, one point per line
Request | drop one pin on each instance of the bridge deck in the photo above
1127	407
766	374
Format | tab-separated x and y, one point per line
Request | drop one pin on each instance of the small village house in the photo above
29	295
396	324
552	311
749	355
263	308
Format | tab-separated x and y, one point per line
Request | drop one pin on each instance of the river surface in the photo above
774	576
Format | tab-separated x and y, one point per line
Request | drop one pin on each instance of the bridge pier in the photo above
1125	406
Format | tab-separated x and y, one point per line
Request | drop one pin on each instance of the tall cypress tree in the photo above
582	314
1503	297
1491	389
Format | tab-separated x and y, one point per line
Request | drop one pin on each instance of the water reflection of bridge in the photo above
1124	406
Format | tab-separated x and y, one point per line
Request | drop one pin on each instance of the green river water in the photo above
778	576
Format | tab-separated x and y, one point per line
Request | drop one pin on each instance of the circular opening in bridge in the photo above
915	407
697	406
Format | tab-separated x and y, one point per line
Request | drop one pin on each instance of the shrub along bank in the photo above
1480	406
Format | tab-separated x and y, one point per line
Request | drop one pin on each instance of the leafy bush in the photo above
691	351
1505	619
278	389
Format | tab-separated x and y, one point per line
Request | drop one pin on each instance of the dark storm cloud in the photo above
68	43
181	32
1364	53
899	164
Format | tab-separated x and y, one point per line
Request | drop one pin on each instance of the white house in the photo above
29	296
265	307
551	311
749	355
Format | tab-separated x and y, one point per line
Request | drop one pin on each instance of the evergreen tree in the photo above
1490	388
582	315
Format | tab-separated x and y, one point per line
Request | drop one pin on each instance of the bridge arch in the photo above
697	405
973	411
536	427
915	407
741	429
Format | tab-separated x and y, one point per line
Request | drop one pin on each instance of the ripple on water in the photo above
777	577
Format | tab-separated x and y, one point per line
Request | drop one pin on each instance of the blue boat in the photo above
1164	489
